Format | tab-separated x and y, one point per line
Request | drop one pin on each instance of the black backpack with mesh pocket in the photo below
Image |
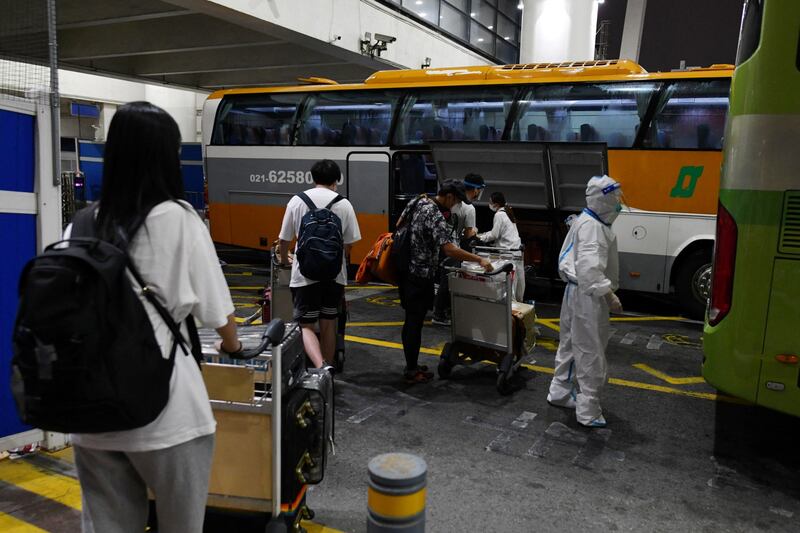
320	244
86	359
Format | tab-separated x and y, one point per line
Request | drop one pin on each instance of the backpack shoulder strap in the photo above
303	196
159	307
83	223
338	198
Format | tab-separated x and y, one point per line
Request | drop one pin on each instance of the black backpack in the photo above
320	245
86	359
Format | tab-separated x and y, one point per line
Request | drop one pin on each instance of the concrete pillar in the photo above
632	30
558	30
106	113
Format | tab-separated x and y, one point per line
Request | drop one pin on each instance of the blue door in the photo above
17	242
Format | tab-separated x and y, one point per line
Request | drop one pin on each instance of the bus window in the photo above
255	120
457	114
352	118
609	113
690	114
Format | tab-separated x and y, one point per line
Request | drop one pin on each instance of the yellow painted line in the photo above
546	370
65	454
238	273
549	322
548	344
57	487
387	344
9	524
241	319
647	318
319	528
666	377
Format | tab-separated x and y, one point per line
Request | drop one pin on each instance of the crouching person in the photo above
325	226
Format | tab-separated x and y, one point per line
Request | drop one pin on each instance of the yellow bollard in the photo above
396	494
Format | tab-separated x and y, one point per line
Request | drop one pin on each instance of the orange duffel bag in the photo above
377	264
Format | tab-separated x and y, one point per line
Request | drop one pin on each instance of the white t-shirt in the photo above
465	214
174	254
296	208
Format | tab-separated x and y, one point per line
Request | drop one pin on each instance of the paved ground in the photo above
675	456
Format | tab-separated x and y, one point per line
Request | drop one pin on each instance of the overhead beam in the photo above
121	20
153	36
269	77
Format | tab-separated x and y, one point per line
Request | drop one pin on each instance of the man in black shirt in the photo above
430	234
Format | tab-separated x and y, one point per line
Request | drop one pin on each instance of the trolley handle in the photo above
273	335
507	268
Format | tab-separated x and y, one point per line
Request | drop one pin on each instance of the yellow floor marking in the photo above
546	370
647	318
65	454
548	344
57	487
9	524
319	528
549	322
666	377
238	273
387	344
241	319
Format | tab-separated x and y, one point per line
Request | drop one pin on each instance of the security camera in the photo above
384	38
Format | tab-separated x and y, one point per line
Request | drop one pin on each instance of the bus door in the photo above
413	173
368	191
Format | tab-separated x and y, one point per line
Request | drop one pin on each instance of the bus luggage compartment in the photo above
543	181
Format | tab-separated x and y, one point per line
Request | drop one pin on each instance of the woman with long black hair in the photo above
141	207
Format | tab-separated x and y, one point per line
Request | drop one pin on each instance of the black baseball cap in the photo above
453	187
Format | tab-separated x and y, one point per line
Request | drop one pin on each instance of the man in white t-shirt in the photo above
318	301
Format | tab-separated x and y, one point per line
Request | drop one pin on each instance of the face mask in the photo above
494	207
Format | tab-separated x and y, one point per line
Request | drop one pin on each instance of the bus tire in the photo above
693	283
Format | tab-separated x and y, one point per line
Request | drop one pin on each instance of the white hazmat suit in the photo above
589	264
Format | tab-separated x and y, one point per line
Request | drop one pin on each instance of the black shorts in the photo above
318	300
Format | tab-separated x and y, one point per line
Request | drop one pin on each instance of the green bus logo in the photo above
685	188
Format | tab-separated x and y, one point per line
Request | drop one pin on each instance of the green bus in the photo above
752	331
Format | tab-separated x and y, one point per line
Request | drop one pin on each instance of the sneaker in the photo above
418	376
599	422
440	321
569	403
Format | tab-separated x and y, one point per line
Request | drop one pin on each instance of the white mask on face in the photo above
494	207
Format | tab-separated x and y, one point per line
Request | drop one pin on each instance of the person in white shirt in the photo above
141	198
318	301
504	234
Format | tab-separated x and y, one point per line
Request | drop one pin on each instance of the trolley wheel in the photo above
338	361
505	370
445	367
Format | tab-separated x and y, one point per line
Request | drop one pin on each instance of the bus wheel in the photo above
693	283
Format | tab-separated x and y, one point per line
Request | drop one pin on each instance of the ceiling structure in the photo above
195	44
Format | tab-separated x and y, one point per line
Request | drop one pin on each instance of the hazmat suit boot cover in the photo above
588	262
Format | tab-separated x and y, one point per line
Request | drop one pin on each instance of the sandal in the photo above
418	376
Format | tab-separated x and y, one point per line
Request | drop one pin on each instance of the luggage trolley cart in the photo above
274	425
482	324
